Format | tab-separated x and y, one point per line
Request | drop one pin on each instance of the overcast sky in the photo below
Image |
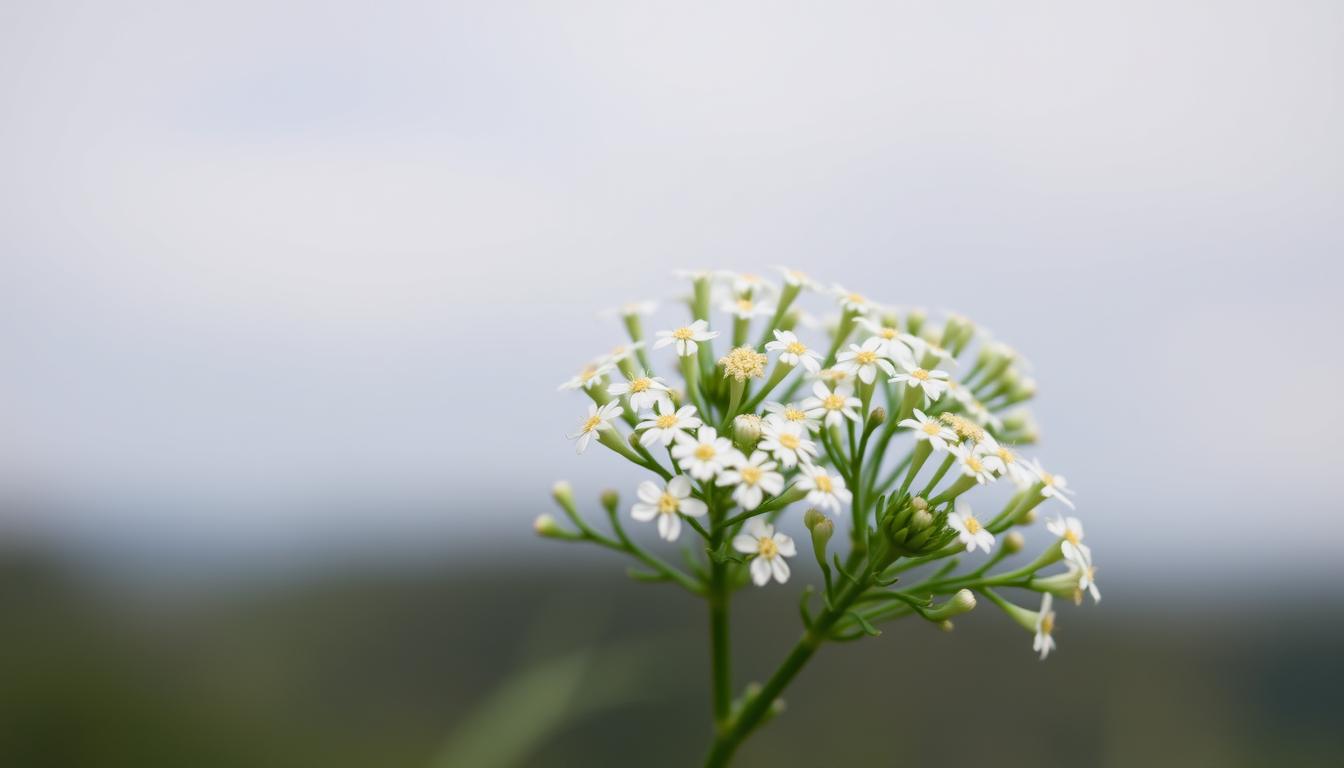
256	258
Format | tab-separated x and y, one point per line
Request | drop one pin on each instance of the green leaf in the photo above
868	628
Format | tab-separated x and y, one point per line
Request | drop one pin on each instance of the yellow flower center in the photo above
592	423
887	333
972	525
639	385
974	463
667	503
667	421
684	333
1072	536
823	483
833	402
750	475
1047	478
931	428
1048	623
865	357
1006	455
588	373
793	414
767	547
921	374
856	298
790	441
744	305
704	452
797	348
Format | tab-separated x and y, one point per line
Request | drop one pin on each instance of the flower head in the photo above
1044	642
795	414
893	343
598	418
793	352
968	528
704	455
643	392
932	430
1070	532
824	491
743	363
1052	486
768	548
932	382
590	376
753	477
686	337
836	404
864	361
667	422
788	441
666	504
744	308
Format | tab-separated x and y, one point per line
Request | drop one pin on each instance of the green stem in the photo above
720	650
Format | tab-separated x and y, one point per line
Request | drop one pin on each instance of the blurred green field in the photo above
371	667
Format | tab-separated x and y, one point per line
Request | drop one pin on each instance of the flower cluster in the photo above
890	417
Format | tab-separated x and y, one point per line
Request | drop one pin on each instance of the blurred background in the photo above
286	291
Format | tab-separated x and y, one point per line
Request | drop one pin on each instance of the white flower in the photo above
597	419
746	282
753	476
1012	465
685	337
833	376
1087	578
837	404
933	382
798	279
667	423
1070	530
1045	624
895	345
853	302
973	464
938	435
744	308
643	391
1053	486
770	548
665	505
969	530
621	352
864	361
704	455
792	351
631	309
590	375
787	440
823	490
795	414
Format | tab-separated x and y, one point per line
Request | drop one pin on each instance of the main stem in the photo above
757	706
720	652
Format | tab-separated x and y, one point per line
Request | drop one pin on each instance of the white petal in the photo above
760	571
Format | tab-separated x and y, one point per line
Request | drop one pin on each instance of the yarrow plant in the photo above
874	428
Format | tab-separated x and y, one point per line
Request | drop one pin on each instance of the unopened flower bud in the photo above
610	500
813	516
945	625
746	432
1013	542
1027	517
961	602
914	320
920	520
876	417
546	525
919	503
821	533
563	494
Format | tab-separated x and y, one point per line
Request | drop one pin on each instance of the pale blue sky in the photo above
255	259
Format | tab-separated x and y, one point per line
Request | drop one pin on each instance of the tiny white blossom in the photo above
685	337
666	504
972	464
894	344
744	308
704	455
1070	531
632	309
796	414
745	282
787	440
1012	464
1087	578
968	528
754	476
865	360
769	547
1044	642
598	418
853	302
824	491
798	279
621	352
933	430
793	352
667	422
933	382
837	404
1053	486
590	376
643	392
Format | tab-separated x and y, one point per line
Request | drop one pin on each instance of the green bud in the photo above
1013	543
813	516
946	625
546	525
914	321
876	417
1062	585
821	533
746	432
961	602
563	494
1027	517
610	500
